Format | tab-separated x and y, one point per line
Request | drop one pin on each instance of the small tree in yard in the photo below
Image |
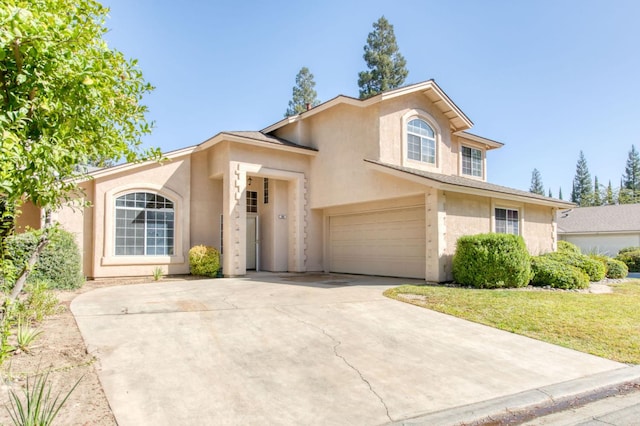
66	100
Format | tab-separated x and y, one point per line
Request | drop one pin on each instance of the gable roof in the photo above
256	138
601	219
457	119
465	185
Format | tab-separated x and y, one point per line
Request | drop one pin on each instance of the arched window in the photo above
144	225
421	141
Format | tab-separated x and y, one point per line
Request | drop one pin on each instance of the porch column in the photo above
234	220
298	222
438	263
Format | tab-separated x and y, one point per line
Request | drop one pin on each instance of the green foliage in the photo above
303	93
548	271
616	269
59	264
631	259
582	193
26	335
39	302
594	269
387	67
536	183
66	99
38	406
491	261
157	273
628	249
631	177
566	247
204	260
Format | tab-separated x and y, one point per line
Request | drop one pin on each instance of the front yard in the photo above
606	325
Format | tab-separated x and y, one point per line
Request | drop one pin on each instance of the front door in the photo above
252	241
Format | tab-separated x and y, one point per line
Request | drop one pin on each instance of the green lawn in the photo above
607	325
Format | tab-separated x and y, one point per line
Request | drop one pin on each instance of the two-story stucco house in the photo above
382	186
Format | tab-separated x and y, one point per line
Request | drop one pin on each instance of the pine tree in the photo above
630	184
387	67
303	93
560	193
550	194
536	183
609	198
582	193
597	194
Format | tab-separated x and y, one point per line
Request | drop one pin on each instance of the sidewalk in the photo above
611	398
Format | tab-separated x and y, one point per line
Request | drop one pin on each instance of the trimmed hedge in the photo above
592	267
492	261
631	259
550	271
204	260
59	264
566	247
628	249
614	268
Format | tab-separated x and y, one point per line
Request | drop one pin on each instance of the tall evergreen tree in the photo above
550	194
303	93
536	183
630	184
582	193
560	193
387	67
597	193
609	197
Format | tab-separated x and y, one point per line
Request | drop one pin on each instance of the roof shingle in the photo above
616	218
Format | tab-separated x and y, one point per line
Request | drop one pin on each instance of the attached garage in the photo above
387	242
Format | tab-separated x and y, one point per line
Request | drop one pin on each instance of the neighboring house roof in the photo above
602	219
462	184
459	121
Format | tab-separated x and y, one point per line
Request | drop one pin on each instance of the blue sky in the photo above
547	78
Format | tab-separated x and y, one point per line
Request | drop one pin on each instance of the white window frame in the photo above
510	205
181	223
481	162
427	118
145	237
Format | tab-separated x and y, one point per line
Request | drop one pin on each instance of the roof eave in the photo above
467	190
223	136
459	121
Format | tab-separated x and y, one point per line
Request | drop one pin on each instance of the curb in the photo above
548	399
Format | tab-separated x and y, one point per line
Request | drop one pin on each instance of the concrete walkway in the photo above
310	349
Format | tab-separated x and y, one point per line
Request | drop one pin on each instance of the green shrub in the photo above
631	259
628	249
40	302
492	261
204	260
568	248
59	264
593	268
614	268
550	271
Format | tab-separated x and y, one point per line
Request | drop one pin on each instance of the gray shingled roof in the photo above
470	183
618	218
259	136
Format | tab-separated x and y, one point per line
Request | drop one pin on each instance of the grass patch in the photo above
606	325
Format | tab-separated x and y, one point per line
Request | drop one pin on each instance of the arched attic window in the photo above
421	141
144	225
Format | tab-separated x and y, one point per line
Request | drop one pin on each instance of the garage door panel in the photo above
390	242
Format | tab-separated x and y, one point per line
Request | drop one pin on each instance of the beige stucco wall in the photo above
171	179
538	229
206	203
29	216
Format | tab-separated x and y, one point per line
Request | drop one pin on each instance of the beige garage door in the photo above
389	243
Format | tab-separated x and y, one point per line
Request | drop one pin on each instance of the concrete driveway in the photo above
291	349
